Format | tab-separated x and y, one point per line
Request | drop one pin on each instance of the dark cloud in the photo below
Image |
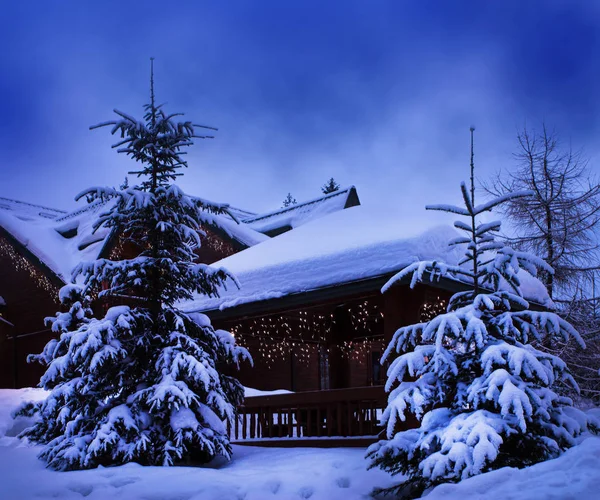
378	94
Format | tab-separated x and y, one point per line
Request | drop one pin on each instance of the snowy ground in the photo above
277	473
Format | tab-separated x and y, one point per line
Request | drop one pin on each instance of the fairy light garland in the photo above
274	338
432	307
209	240
118	251
216	244
22	264
359	350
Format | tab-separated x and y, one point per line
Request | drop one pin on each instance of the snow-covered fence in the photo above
338	413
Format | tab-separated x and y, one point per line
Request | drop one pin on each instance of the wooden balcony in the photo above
338	417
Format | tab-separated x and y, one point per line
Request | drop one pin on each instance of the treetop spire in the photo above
472	129
152	102
157	141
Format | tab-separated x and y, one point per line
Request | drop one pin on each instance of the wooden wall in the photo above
27	304
292	371
300	368
355	368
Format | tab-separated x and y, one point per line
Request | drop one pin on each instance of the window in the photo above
375	367
323	368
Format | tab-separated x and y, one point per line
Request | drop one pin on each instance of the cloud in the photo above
382	99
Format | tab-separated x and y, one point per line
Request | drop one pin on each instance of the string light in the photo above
118	252
209	240
22	264
307	333
216	244
432	307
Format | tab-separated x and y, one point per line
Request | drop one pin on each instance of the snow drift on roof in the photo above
240	232
62	242
241	213
343	247
43	238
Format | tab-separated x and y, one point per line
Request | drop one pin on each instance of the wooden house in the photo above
309	308
40	246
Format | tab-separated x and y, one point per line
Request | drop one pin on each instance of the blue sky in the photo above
379	94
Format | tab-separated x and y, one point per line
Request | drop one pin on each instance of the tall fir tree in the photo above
483	396
145	383
330	186
289	200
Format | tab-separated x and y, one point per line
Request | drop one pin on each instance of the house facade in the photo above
40	246
309	307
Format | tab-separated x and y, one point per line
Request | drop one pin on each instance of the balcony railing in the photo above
349	414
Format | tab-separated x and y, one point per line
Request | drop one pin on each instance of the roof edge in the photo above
31	257
308	298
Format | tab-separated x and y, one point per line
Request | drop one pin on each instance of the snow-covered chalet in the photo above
308	308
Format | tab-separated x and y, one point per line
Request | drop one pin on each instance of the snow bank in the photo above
254	474
10	399
250	393
574	475
278	473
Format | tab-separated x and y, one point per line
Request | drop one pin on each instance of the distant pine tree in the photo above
330	187
145	383
289	200
483	395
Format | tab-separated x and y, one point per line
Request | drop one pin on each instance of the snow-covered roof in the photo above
59	243
241	213
301	213
64	240
28	211
342	247
240	231
60	239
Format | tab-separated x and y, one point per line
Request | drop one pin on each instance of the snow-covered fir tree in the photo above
289	200
483	396
146	382
330	186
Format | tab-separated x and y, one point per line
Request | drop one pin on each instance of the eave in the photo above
54	278
328	295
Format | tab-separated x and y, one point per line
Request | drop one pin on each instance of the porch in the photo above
328	354
328	418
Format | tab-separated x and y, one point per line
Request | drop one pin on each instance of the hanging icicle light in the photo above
21	263
274	338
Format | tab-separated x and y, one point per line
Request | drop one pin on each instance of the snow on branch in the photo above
488	206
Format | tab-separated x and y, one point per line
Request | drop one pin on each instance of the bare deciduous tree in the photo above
584	364
557	222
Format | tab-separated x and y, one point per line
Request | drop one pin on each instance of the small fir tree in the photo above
484	397
289	200
144	383
330	186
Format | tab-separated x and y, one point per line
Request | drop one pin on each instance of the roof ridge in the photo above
249	212
33	205
297	205
79	211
